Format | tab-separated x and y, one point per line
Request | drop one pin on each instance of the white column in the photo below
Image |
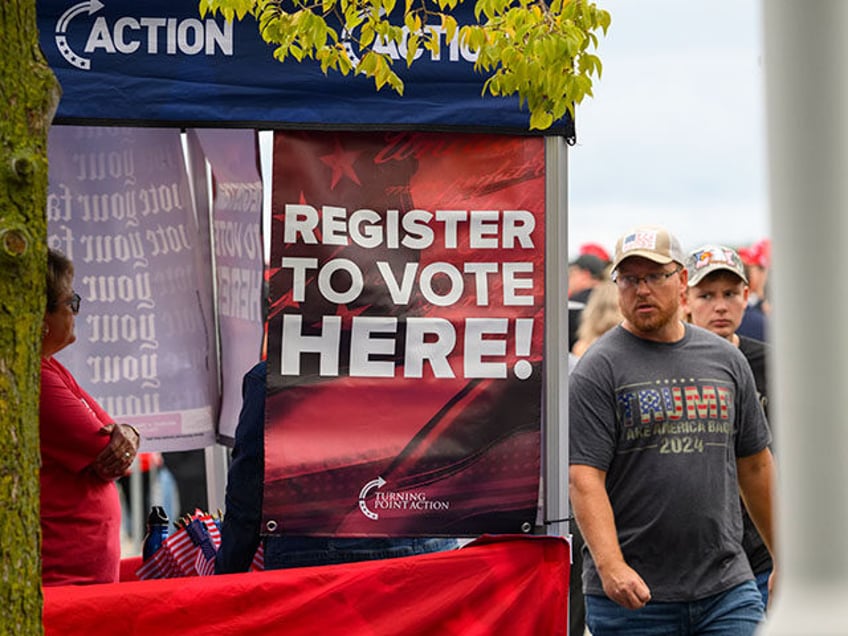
806	62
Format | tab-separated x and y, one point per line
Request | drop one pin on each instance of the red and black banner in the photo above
405	334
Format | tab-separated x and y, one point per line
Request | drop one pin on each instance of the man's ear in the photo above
685	309
684	286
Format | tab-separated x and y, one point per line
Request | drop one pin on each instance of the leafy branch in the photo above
540	51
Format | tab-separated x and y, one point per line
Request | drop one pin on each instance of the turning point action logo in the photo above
388	500
126	35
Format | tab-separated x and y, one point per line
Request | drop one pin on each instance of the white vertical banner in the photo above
119	207
239	267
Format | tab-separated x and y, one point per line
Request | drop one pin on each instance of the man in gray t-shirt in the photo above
665	430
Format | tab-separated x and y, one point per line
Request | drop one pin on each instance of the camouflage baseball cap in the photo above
712	258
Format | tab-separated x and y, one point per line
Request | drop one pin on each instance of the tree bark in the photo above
29	95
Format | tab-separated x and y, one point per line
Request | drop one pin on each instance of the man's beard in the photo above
655	321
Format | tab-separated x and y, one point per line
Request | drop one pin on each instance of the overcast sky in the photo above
675	133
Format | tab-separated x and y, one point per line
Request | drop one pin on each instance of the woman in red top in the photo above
83	452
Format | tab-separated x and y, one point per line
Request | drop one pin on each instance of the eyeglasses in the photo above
74	303
654	281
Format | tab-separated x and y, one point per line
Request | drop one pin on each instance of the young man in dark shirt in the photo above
716	299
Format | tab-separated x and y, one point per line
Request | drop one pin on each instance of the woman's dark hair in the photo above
59	268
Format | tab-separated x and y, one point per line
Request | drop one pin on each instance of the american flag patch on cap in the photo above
639	240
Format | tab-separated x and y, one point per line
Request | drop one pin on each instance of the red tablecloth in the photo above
511	586
129	567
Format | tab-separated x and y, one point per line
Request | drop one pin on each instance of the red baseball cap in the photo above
595	249
758	254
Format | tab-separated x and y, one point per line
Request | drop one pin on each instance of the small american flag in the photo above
639	240
258	563
190	551
204	566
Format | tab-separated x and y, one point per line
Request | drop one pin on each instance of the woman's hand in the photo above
115	460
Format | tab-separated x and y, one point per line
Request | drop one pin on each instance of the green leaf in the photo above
540	120
368	64
411	48
396	83
449	26
280	53
366	35
536	51
409	22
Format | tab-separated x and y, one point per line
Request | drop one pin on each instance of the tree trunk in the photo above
29	95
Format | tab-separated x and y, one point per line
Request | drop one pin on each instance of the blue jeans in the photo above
734	612
762	584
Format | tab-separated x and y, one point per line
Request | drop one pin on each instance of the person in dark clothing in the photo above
716	300
584	274
756	260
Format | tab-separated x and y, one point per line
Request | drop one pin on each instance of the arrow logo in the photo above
91	7
374	483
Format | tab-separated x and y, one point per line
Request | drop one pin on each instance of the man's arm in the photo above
245	477
594	515
756	483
